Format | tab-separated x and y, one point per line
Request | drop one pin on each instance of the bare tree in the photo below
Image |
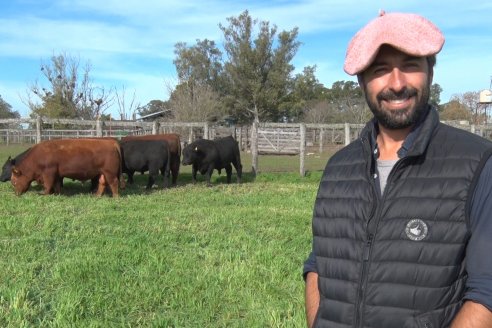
471	100
126	110
69	93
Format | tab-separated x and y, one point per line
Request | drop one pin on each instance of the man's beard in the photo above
399	118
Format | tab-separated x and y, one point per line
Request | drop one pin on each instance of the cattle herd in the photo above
104	160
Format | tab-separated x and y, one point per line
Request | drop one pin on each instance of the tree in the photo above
471	100
70	93
125	109
257	70
6	110
435	95
348	100
455	111
306	93
153	106
198	93
199	64
195	103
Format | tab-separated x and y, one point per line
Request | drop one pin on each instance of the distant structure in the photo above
485	100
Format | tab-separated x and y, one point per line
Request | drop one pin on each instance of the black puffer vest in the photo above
396	260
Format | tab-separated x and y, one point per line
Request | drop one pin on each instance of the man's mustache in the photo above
390	95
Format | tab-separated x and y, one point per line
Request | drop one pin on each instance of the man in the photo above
401	222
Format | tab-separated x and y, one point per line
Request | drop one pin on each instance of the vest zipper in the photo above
363	280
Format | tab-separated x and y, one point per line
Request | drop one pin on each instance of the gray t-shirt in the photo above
384	168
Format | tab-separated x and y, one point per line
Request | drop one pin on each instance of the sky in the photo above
130	44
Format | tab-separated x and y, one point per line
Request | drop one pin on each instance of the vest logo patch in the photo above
416	229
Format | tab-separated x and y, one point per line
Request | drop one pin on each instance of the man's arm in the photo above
312	297
472	315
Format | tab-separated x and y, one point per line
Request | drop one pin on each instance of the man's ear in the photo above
360	80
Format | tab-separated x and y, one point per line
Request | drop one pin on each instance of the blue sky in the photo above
130	43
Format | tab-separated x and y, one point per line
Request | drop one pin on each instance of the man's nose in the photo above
397	80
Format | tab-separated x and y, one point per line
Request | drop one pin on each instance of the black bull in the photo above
207	155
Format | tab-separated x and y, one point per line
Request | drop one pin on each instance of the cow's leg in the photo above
194	169
49	181
210	170
174	166
239	170
58	185
130	176
94	184
113	182
153	173
228	169
165	177
101	185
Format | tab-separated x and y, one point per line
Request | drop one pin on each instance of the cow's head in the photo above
190	154
7	169
20	181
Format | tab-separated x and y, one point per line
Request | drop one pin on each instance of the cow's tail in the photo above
121	180
167	173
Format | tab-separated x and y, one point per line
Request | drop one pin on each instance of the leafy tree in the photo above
153	106
455	111
70	93
306	92
195	103
197	96
199	64
6	110
258	68
347	98
435	95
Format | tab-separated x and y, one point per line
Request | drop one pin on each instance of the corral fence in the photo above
258	138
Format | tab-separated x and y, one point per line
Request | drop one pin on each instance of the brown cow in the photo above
174	144
79	159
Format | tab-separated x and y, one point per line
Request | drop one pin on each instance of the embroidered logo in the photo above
416	229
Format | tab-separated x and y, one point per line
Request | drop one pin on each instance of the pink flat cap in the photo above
409	33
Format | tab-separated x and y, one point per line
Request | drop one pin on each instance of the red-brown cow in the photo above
79	159
174	144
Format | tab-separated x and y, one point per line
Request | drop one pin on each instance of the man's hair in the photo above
431	61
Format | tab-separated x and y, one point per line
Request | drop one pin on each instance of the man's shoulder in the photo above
461	135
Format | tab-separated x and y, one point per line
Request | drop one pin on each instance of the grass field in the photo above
190	256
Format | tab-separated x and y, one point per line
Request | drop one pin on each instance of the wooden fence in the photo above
259	139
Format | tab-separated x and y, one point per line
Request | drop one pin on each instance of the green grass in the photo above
190	256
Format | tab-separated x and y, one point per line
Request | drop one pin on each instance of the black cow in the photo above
146	155
207	155
7	166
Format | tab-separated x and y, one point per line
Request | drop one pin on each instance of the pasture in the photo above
190	256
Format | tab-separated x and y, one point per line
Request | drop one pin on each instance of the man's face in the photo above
397	88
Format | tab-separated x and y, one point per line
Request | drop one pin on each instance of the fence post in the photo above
472	129
190	136
347	134
321	132
98	128
7	141
155	127
38	129
254	149
240	138
205	131
302	150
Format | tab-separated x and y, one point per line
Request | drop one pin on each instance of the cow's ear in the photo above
16	171
196	149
